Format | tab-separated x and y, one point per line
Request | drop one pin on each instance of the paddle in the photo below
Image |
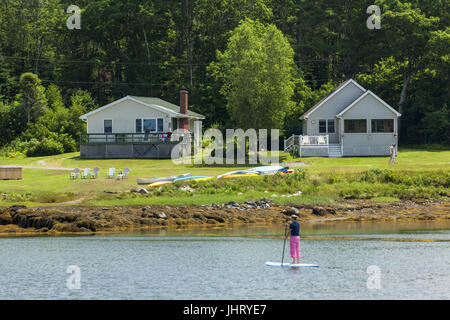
284	243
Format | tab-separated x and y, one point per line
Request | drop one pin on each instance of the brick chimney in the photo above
184	102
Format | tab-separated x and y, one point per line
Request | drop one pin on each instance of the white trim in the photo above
305	116
153	106
142	125
367	126
393	127
362	97
326	125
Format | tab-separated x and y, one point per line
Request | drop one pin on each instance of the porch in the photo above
313	146
127	145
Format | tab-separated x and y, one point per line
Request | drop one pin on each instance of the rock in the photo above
187	188
290	211
5	219
233	204
146	208
16	208
322	211
141	191
162	215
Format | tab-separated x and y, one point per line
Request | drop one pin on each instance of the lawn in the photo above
46	181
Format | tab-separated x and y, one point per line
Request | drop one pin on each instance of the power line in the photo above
137	83
139	63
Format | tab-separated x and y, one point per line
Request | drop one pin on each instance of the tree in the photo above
31	98
257	71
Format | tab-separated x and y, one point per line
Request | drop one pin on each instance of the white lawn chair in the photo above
305	140
95	173
321	140
75	173
110	174
86	173
124	174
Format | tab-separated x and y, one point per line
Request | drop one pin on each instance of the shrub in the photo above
46	147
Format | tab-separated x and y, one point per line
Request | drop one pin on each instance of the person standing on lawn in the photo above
393	154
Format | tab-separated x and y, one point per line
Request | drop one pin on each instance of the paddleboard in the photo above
288	265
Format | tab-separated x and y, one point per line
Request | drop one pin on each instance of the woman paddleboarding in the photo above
294	232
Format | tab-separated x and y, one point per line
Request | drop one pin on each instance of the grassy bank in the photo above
420	174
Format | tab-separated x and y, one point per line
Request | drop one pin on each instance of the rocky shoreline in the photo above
57	220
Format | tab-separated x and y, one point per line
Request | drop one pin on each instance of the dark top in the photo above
295	228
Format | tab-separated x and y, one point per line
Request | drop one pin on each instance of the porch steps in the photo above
334	151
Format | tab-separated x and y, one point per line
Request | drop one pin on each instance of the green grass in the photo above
419	174
385	199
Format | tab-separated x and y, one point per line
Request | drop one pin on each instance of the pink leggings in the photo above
295	246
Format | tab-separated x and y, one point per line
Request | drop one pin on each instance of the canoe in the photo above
159	183
194	178
267	169
153	180
242	175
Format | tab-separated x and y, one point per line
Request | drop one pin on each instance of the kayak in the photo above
287	171
153	180
193	178
159	183
242	175
234	172
267	169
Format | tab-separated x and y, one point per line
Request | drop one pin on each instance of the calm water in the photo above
229	264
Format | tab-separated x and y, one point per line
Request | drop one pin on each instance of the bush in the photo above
46	147
68	143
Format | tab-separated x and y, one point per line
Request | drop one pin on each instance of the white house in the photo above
135	127
350	121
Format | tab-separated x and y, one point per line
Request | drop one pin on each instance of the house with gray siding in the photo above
136	127
350	121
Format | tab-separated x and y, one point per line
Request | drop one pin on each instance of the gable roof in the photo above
167	105
330	95
154	103
368	92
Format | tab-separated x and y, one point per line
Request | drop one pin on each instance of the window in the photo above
355	126
107	126
331	126
382	125
150	125
138	125
326	126
322	126
160	125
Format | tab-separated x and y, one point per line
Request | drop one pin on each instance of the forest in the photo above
271	59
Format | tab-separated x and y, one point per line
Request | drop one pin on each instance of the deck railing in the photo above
126	138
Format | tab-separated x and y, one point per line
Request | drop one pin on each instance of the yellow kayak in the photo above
240	175
201	179
159	183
